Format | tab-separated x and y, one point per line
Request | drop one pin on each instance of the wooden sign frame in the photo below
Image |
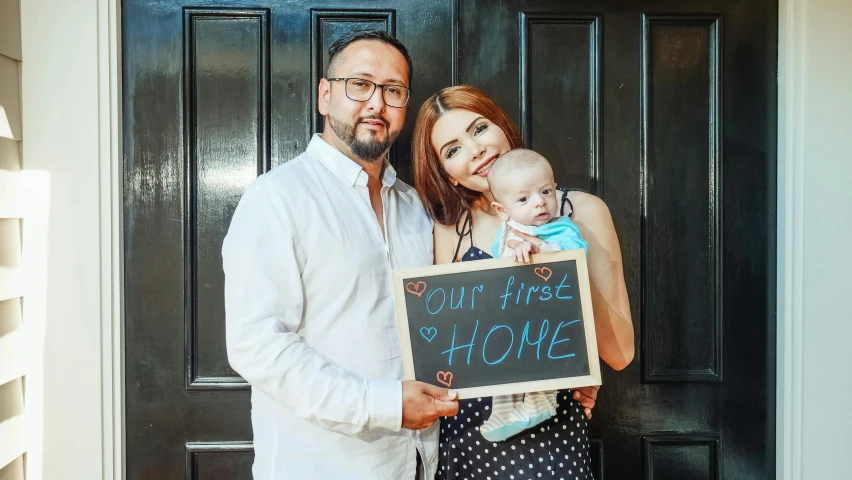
594	377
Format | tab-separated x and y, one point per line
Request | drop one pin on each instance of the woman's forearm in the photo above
614	333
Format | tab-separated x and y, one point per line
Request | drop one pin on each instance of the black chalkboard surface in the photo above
494	327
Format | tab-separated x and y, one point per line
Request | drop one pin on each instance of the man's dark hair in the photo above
341	43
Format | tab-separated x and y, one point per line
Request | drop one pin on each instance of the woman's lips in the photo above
483	170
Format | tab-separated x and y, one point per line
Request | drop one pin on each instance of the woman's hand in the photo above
587	397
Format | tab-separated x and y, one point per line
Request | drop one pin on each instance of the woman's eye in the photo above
480	128
452	151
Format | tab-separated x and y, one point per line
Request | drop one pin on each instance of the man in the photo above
311	321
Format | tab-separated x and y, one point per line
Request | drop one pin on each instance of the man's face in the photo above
365	130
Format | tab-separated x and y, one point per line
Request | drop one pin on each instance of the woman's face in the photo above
467	144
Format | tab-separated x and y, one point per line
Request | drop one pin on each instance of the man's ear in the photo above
501	210
323	95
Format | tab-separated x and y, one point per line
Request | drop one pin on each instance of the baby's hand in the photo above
523	251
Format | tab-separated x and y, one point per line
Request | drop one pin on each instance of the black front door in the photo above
664	108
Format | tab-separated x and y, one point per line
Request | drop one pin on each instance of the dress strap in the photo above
564	191
466	229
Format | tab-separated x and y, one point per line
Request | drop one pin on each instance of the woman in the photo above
458	134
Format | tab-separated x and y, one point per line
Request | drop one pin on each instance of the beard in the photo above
368	150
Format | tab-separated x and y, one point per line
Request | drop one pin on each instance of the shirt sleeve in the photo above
263	261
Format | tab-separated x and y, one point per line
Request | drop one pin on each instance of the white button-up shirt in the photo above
311	320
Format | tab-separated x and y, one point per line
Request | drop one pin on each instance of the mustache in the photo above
374	117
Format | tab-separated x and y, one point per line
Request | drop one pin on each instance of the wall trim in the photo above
792	83
111	238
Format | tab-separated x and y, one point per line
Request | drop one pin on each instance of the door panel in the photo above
216	93
649	100
664	108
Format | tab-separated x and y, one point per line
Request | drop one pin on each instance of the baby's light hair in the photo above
512	162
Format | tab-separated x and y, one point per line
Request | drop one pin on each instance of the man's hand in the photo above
422	404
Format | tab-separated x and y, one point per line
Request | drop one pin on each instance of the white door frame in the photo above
789	395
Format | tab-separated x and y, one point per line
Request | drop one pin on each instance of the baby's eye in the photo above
546	191
452	151
480	128
523	200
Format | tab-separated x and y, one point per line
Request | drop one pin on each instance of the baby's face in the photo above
529	197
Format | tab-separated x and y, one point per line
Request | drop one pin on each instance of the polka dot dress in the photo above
556	449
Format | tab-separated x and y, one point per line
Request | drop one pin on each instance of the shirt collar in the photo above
343	167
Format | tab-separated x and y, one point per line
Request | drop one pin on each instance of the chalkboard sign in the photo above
494	327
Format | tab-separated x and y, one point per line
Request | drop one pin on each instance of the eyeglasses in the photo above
362	90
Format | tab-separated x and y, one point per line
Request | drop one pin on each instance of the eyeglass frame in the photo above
376	86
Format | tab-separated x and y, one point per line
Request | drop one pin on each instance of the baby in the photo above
521	182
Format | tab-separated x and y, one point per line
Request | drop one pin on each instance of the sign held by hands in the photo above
495	327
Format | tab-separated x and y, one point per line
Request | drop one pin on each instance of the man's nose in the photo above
376	103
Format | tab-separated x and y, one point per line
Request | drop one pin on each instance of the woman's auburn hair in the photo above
444	202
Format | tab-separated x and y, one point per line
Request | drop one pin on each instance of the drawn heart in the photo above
544	273
428	333
446	378
415	288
